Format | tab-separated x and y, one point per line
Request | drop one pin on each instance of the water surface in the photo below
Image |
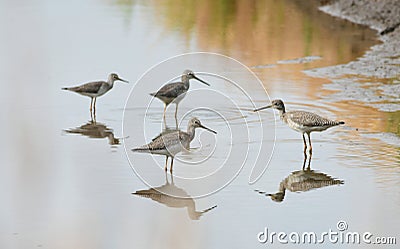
63	190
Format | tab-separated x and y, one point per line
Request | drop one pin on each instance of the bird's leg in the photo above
309	141
91	104
94	118
176	111
304	162
165	124
94	106
165	109
93	121
172	164
166	163
166	177
176	118
309	162
305	146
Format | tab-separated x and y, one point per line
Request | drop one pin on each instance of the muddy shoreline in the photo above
380	66
383	60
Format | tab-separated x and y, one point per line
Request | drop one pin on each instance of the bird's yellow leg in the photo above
166	163
165	109
172	164
94	105
176	111
305	146
309	141
91	104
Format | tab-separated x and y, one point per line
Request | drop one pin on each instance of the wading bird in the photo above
176	90
172	143
301	121
95	89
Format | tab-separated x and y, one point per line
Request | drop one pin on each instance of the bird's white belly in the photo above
180	97
305	129
92	95
174	149
295	126
103	89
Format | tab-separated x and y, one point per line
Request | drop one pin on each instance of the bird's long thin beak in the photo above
122	80
208	129
202	81
262	108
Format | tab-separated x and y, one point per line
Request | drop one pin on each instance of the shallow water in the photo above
67	183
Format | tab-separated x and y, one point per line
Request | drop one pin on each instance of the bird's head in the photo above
275	104
195	123
189	74
114	77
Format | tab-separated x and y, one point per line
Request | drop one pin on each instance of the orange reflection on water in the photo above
263	32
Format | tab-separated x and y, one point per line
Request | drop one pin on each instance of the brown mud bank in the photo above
373	78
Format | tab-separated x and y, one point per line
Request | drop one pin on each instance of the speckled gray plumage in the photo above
164	141
172	143
301	121
171	91
309	119
176	91
91	87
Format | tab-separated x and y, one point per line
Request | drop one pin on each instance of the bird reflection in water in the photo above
176	198
302	181
93	129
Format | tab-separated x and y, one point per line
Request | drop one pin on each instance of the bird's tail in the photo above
341	122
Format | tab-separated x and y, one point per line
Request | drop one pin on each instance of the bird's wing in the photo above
170	90
162	142
91	87
310	119
165	132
